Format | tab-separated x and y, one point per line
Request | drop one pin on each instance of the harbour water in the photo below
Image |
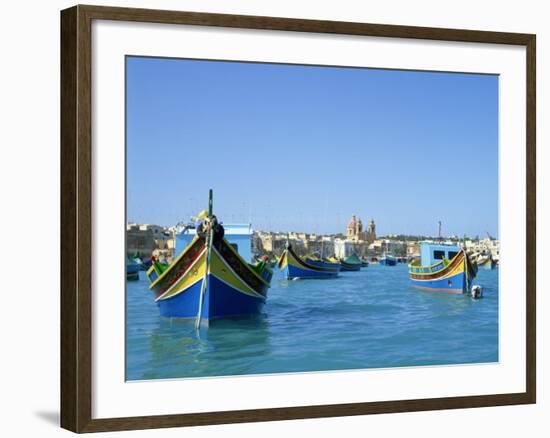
368	319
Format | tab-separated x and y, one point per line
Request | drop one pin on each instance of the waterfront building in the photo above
269	243
354	230
371	231
303	243
327	246
322	246
145	240
484	246
396	247
343	248
413	249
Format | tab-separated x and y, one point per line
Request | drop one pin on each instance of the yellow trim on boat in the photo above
194	273
223	272
173	263
283	260
456	270
247	264
290	259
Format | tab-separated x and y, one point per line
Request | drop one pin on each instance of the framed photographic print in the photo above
270	218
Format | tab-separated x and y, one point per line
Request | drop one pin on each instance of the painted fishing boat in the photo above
486	262
388	260
364	262
209	279
442	268
295	267
132	269
351	263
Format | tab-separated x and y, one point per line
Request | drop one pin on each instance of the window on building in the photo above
452	254
438	255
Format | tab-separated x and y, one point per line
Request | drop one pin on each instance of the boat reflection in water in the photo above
232	346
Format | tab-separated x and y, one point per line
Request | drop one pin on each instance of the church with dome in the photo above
354	230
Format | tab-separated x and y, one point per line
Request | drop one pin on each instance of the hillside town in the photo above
144	240
364	243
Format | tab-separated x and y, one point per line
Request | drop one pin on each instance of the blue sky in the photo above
303	147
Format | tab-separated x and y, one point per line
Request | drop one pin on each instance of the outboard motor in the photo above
476	292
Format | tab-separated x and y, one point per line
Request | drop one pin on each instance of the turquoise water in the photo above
367	319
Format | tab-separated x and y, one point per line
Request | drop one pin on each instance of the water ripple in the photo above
366	319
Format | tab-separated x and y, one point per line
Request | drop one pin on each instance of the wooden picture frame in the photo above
76	217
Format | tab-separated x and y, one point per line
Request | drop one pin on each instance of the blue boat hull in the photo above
295	267
454	284
388	262
220	301
132	271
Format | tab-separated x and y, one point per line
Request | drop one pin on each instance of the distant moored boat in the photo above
486	262
442	268
295	267
388	260
132	269
351	263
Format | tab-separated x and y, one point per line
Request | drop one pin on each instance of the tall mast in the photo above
209	241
